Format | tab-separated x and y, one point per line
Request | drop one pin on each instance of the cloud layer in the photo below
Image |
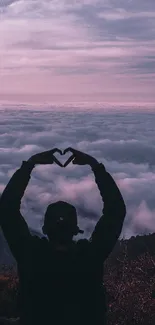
78	50
123	141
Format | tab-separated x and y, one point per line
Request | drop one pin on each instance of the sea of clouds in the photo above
123	140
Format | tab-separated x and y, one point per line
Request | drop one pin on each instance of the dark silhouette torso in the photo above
63	287
60	287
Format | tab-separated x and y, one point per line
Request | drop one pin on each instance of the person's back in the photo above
61	280
60	286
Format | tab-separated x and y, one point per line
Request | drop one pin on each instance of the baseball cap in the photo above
61	211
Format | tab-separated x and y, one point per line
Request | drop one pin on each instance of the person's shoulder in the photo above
37	241
82	241
82	244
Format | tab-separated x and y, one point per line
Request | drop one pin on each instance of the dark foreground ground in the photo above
129	278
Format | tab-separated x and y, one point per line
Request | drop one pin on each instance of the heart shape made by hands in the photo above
63	153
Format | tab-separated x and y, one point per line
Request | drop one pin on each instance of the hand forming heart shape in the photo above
62	153
77	157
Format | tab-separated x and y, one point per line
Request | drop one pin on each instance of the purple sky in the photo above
71	51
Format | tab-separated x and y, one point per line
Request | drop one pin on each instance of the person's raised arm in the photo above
14	227
109	226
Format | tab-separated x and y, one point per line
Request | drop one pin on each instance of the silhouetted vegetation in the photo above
130	282
129	279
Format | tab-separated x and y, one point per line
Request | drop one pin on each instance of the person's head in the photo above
60	222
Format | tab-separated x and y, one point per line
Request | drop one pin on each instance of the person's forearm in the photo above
111	196
14	191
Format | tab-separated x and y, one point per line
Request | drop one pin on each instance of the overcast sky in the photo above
74	50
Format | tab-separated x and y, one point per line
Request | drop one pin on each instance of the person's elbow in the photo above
123	209
4	202
118	207
6	206
121	213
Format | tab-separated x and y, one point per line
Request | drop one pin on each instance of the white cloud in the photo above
120	14
123	141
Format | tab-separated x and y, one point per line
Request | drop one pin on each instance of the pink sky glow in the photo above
67	51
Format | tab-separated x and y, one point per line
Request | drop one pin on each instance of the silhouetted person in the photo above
61	280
